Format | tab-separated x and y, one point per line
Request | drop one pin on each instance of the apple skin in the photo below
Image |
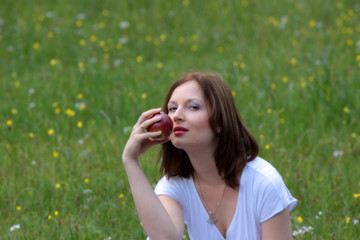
165	125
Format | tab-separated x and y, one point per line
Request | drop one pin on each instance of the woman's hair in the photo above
235	144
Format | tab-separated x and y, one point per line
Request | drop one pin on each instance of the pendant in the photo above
211	219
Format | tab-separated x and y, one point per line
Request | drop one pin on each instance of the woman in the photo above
214	181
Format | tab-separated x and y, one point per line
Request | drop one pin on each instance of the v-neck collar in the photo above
204	212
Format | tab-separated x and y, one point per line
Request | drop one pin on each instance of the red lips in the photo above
179	130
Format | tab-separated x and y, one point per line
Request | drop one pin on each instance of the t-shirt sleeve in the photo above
272	196
171	188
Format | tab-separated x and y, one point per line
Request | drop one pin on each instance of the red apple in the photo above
165	125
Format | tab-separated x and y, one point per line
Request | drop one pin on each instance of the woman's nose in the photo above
177	115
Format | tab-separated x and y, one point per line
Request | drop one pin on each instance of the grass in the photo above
87	69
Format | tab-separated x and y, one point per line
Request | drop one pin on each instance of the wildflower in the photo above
50	35
57	111
356	221
58	185
273	86
16	226
312	23
18	208
86	180
70	112
118	46
53	62
293	61
101	25
353	135
300	219
181	39
347	219
346	110
36	46
143	96
160	65
80	106
51	131
233	93
186	3
80	96
337	153
139	59
50	217
358	57
9	123
81	65
82	42
31	91
220	49
194	37
124	24
105	12
93	38
17	84
269	111
55	154
31	135
148	38
282	120
121	196
79	124
267	146
303	84
356	195
194	48
56	213
261	136
163	37
242	65
350	42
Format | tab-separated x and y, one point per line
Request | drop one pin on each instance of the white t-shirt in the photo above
262	195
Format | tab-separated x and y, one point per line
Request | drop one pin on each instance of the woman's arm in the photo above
278	227
162	217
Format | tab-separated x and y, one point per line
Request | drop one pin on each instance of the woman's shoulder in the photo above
262	170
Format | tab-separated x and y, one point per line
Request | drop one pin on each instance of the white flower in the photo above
356	221
123	40
31	105
127	129
16	226
31	91
117	62
33	162
124	24
337	153
81	16
80	141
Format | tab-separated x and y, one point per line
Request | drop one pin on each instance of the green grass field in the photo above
76	75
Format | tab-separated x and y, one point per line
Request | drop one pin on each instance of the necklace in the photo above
212	219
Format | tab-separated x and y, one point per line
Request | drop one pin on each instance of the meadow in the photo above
76	75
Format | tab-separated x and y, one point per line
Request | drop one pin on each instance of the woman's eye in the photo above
194	107
171	109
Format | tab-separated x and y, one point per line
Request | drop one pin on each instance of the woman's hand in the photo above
140	140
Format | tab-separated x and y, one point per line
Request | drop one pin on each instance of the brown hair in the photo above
236	145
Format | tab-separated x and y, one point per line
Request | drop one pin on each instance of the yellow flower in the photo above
79	124
181	39
31	135
143	96
57	111
220	49
58	185
194	37
50	217
53	62
50	35
18	208
148	38
17	84
163	37
51	131
101	25
358	57
233	93
82	42
81	65
356	195
36	46
186	3
80	96
353	135
54	104
79	23
293	61
269	111
303	84
139	59
242	65
346	110
105	12
282	120
55	154
9	123
56	213
194	48
273	86
14	111
347	219
300	219
118	46
70	112
86	180
312	23
267	146
261	136
350	42
121	196
93	38
160	65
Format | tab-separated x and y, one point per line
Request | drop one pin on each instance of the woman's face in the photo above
189	111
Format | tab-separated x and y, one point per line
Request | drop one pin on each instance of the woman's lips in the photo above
179	131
